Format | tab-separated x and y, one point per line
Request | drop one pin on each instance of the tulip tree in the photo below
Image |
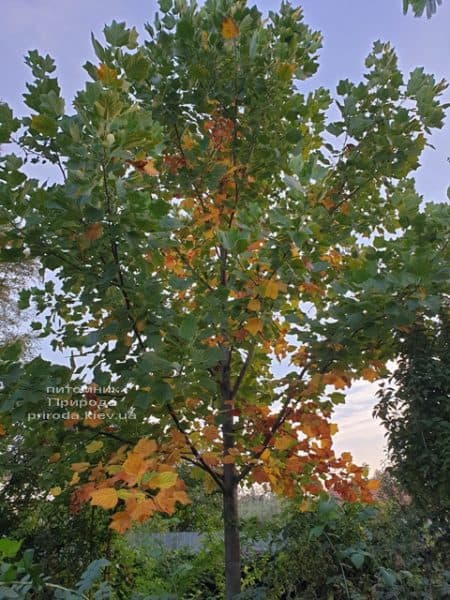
205	222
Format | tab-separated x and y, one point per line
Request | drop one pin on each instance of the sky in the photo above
62	29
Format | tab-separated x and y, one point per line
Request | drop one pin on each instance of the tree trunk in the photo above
232	539
230	482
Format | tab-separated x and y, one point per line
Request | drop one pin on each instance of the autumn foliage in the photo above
222	256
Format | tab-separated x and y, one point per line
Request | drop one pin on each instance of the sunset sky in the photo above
62	29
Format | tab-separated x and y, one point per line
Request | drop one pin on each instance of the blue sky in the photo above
62	29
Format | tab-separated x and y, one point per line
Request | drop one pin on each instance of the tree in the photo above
419	6
13	278
208	222
415	409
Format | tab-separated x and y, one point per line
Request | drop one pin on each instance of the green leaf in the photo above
161	392
8	124
152	363
118	35
11	352
316	532
188	328
44	124
92	574
9	548
165	5
389	578
357	559
136	66
294	136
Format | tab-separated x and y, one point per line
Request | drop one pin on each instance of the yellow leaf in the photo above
266	454
75	479
120	522
188	141
164	480
273	288
94	446
55	491
254	325
105	498
229	29
283	442
204	40
333	428
254	304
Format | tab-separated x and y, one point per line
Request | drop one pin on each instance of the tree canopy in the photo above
209	220
415	409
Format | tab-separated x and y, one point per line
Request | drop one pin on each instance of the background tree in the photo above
205	225
415	409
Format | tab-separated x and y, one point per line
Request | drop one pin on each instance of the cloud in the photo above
359	433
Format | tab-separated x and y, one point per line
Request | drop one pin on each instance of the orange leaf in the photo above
259	476
328	203
106	74
373	485
54	458
210	433
105	498
144	447
80	467
143	510
144	166
369	374
166	503
149	168
305	506
120	522
229	29
94	231
255	246
135	465
181	497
